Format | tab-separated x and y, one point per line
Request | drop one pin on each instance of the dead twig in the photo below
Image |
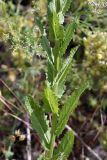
3	99
6	104
28	148
18	100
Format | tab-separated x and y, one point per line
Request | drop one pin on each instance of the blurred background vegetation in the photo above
22	72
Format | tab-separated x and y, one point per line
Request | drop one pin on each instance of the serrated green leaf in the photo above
57	27
58	84
38	119
52	99
44	41
59	89
51	9
69	108
57	4
68	36
65	5
62	5
65	147
52	6
40	25
51	71
65	68
56	31
46	46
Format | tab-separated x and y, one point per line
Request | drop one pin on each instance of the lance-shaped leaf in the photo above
51	10
69	108
44	41
56	19
46	46
57	27
68	36
65	147
51	71
38	119
57	4
40	25
52	99
59	80
62	5
65	68
65	5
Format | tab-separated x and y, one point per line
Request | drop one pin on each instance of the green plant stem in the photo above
52	142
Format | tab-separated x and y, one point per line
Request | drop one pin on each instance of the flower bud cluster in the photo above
96	48
19	135
96	58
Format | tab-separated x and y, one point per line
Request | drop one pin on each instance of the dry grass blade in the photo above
18	100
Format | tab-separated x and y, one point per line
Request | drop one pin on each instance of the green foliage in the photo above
65	5
60	38
67	37
46	47
52	99
61	5
64	148
69	108
55	44
58	84
38	119
19	30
